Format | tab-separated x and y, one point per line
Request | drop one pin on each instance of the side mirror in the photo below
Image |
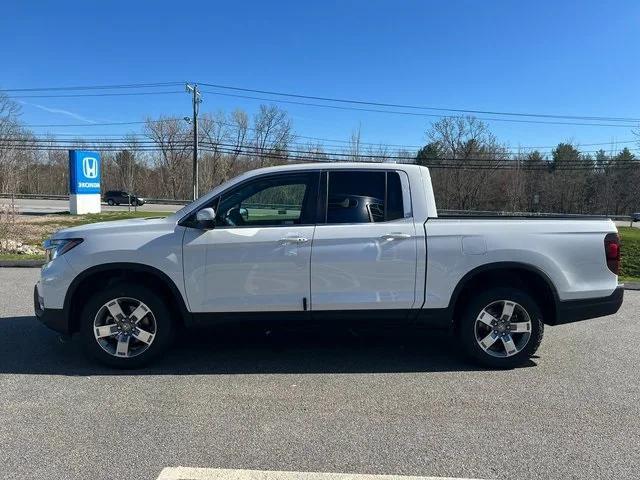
244	213
206	217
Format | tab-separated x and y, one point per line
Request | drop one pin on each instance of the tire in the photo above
491	340
142	340
110	202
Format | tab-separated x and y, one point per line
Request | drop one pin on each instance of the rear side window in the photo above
364	197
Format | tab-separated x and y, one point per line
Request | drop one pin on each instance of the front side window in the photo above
271	201
364	197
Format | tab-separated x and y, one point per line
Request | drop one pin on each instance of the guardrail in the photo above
472	213
42	196
33	196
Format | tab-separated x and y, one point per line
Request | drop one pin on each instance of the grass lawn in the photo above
35	229
630	268
20	256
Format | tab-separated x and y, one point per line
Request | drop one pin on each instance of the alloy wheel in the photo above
503	328
124	327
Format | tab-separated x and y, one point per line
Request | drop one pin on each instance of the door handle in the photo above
395	236
298	240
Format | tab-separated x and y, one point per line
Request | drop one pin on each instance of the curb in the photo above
631	285
21	263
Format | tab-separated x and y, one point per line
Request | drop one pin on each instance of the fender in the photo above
127	267
469	276
501	266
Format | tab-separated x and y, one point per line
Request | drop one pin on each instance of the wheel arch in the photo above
517	274
110	272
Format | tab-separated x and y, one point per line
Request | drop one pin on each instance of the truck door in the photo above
257	258
364	248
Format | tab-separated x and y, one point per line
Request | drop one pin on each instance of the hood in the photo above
131	225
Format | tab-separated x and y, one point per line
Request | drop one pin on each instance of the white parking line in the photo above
188	473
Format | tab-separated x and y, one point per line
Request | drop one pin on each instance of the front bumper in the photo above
576	310
54	318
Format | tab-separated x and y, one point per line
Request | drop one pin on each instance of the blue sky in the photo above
569	57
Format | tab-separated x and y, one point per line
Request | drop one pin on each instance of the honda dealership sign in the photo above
84	182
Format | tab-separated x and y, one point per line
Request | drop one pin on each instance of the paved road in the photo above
321	400
52	206
626	223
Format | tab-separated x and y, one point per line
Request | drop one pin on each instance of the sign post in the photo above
84	182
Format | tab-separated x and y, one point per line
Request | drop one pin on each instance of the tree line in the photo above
470	168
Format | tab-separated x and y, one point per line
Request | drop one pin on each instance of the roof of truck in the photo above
337	165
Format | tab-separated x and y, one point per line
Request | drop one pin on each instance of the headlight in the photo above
55	248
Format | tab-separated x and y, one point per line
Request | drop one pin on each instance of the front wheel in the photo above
501	327
110	202
126	326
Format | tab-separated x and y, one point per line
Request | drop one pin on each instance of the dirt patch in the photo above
33	230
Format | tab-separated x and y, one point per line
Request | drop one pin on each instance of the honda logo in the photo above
90	167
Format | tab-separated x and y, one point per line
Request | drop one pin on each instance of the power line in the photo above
375	144
344	108
252	150
97	124
323	98
342	101
431	115
321	139
110	94
292	147
419	107
469	164
93	87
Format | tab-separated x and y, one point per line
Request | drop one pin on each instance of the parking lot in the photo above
320	400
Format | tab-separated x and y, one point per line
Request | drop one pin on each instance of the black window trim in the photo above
324	187
189	219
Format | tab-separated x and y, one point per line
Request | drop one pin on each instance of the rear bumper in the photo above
54	318
576	310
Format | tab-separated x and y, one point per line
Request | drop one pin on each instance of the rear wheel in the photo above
501	327
110	202
126	326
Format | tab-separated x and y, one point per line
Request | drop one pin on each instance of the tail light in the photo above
612	252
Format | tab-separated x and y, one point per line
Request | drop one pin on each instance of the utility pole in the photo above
196	99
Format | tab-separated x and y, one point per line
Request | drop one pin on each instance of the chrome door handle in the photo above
287	240
395	236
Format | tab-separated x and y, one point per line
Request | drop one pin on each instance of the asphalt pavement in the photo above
322	400
34	206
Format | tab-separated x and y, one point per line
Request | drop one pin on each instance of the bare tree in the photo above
272	133
354	145
464	142
173	138
127	164
214	141
13	144
316	152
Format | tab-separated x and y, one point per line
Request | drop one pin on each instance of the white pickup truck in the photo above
321	242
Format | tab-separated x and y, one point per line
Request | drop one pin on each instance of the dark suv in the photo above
116	197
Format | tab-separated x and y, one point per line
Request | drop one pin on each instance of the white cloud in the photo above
60	111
